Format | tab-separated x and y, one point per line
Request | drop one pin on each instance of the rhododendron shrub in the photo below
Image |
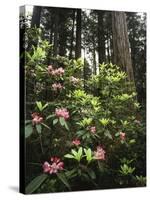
97	131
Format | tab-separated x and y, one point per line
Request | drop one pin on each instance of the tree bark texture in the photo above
78	34
36	16
56	24
121	48
72	34
101	37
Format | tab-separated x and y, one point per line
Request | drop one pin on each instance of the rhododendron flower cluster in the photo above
122	136
62	112
37	119
100	153
74	80
76	142
57	86
54	167
92	129
55	72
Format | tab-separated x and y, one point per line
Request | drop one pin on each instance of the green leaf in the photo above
68	156
62	177
28	121
39	105
89	155
79	154
85	122
80	133
66	126
132	141
50	116
74	152
91	174
28	130
55	121
85	151
72	173
104	121
80	151
107	134
35	183
44	106
62	121
117	134
39	128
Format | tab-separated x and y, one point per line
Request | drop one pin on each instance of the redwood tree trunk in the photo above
56	24
101	37
78	34
94	56
72	34
36	16
121	48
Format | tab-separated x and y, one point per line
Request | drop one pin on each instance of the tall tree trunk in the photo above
122	55
50	41
56	24
94	56
101	37
111	48
51	33
72	35
51	28
108	47
36	16
78	34
62	32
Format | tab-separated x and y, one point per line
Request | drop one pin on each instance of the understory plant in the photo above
77	137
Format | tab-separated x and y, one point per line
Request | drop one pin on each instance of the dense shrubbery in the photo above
79	137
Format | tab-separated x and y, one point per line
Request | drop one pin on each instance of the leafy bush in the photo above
77	138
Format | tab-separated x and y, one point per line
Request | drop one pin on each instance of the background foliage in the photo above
87	114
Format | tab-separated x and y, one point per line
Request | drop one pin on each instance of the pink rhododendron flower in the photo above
62	112
60	71
50	68
55	159
99	154
54	167
92	129
55	72
46	167
74	80
37	119
76	142
57	86
122	136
